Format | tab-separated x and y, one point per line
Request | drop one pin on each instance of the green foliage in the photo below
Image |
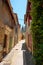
37	30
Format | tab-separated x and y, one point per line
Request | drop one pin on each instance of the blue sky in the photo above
19	7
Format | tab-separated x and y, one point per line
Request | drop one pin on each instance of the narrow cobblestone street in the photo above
18	55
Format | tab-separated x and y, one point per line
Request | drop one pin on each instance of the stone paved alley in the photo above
19	55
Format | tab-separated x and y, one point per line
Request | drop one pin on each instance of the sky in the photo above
19	7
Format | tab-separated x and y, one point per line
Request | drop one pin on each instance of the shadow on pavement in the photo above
27	56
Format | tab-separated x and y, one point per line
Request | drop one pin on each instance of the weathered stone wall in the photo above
28	37
2	30
5	14
6	22
19	34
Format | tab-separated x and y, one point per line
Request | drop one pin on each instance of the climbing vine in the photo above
37	30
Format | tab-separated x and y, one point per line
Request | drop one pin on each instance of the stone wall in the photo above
6	24
2	30
5	14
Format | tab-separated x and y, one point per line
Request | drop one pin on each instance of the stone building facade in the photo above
27	21
16	28
18	34
7	28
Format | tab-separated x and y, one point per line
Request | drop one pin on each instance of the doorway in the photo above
4	46
5	41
